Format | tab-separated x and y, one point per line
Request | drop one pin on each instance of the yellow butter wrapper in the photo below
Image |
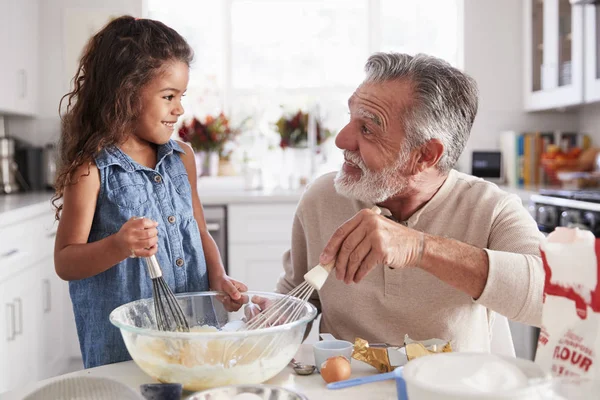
415	349
378	358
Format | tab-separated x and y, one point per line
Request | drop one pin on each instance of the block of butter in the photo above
385	357
415	349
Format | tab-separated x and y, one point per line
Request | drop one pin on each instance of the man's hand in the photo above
258	305
234	299
367	240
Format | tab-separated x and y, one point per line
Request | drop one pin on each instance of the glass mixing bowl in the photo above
212	354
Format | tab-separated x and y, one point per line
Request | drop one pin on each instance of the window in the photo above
257	58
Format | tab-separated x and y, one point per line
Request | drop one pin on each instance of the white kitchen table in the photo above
312	386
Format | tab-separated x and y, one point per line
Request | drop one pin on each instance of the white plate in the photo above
84	388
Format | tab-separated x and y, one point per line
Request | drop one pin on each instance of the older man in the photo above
449	250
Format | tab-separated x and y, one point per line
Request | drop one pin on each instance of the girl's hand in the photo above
233	300
138	237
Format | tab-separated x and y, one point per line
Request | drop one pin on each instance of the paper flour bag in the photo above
569	343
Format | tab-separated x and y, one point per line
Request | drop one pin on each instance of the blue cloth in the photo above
128	189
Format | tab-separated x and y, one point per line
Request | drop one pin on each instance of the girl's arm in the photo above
216	272
74	258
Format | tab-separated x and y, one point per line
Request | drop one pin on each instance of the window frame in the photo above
374	41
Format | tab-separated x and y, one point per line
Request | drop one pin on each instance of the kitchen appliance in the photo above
487	165
216	223
29	162
9	172
49	162
568	208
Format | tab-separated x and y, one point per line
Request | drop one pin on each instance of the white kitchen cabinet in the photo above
31	303
553	54
19	28
257	265
50	310
7	81
591	67
6	312
20	298
258	235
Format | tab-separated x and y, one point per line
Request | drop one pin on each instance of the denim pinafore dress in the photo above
128	189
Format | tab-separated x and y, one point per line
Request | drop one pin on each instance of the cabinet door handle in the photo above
10	322
19	313
213	227
9	253
47	297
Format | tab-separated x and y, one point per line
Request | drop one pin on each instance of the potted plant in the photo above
209	139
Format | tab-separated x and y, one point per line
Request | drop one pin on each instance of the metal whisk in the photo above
286	310
168	313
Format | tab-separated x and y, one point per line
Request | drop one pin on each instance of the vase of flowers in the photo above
293	130
208	138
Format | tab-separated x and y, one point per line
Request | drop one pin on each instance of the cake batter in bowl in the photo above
213	353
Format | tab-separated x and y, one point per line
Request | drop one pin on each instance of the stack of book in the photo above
528	156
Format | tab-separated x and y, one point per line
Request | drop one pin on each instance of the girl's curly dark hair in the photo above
105	101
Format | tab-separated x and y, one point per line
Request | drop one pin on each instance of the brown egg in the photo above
336	369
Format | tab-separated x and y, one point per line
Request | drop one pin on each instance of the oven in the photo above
568	208
216	223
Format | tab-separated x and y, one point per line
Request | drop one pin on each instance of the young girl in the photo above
118	163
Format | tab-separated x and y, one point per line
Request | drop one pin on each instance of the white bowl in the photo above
472	376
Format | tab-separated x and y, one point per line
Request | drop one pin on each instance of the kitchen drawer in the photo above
25	242
260	223
18	240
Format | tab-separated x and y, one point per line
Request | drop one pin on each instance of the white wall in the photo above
493	56
589	121
55	17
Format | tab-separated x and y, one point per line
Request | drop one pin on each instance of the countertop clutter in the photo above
312	386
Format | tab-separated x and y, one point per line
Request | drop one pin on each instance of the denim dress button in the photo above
179	262
157	179
171	219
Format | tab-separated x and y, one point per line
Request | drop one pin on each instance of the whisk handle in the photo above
153	267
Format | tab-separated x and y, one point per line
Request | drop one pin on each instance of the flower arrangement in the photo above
212	135
293	130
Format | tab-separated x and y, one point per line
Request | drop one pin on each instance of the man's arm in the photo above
458	264
515	281
507	277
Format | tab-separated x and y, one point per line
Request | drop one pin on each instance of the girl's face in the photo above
161	103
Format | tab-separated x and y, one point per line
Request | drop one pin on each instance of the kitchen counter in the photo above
212	191
20	206
311	386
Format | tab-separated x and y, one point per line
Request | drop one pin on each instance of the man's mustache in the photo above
355	159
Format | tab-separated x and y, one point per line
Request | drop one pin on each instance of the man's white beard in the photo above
372	187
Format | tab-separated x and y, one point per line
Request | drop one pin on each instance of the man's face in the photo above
377	159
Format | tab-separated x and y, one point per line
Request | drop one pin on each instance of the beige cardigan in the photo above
390	303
